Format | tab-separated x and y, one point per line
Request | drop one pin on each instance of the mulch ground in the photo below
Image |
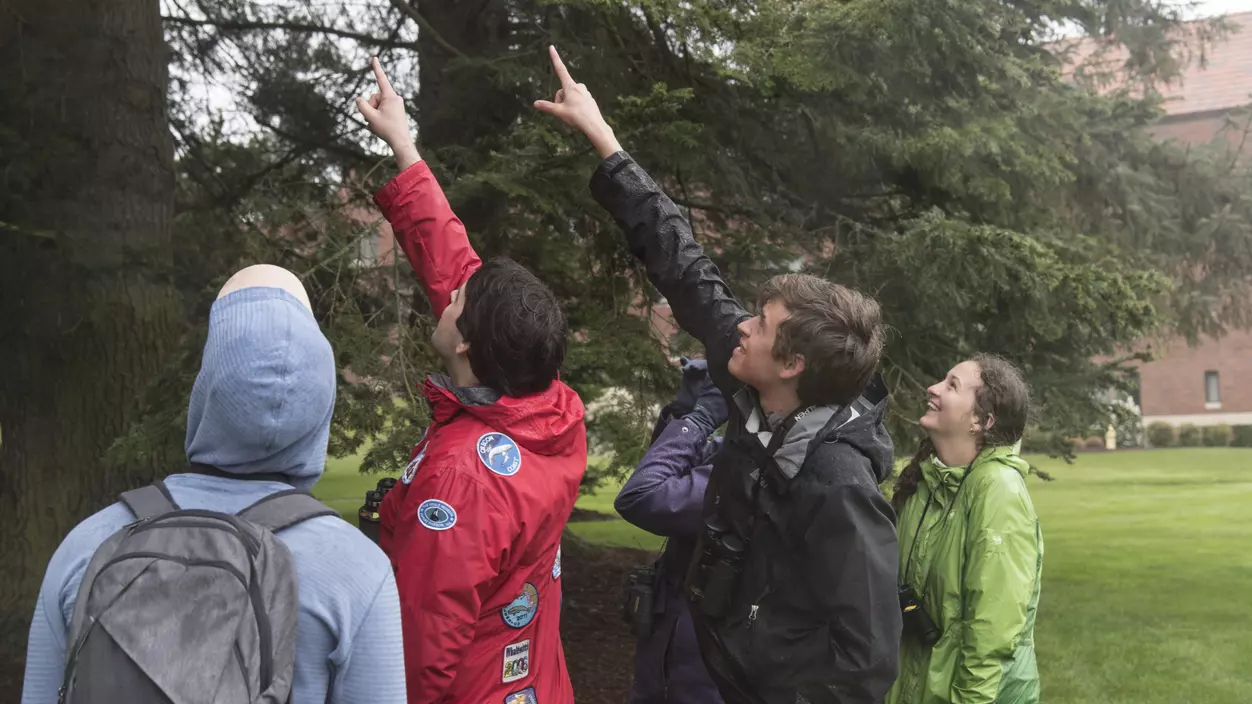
599	650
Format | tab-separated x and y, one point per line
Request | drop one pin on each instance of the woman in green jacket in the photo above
971	552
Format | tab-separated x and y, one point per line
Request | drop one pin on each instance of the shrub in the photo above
1043	442
1039	442
1162	435
1242	436
1217	435
1188	435
1130	432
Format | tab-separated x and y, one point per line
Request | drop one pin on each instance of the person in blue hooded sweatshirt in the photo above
261	404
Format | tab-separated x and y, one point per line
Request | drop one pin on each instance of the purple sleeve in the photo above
665	495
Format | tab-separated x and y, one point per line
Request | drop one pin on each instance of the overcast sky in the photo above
1208	8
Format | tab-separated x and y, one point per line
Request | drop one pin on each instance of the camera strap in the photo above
908	568
764	457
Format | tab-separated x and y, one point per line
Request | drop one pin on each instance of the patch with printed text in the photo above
436	514
517	665
521	611
499	454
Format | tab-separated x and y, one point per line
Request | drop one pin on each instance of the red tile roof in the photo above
1223	82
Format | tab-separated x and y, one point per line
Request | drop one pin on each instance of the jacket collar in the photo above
944	481
549	422
447	400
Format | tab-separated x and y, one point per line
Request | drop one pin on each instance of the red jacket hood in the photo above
545	423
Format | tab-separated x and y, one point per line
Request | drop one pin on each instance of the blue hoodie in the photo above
262	403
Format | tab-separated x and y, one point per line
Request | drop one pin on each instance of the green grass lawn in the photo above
1147	576
343	486
1147	572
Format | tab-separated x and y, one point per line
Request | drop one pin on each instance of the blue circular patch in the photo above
500	454
436	515
521	611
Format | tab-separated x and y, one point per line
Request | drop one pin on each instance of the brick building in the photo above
1210	383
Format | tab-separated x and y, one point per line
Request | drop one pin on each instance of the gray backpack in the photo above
188	605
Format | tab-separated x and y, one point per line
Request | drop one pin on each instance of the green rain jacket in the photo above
977	567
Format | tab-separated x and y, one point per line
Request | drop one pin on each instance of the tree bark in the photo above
86	311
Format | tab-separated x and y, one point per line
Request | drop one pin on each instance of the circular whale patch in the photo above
521	611
500	454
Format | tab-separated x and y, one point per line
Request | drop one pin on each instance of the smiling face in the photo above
950	406
753	361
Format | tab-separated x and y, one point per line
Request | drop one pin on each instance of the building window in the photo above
1212	390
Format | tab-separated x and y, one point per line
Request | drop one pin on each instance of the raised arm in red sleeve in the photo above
431	235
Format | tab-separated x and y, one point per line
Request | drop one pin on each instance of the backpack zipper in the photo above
71	663
264	634
232	525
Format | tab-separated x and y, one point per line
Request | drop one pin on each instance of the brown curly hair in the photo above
1003	394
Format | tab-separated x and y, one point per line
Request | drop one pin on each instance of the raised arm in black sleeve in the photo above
659	235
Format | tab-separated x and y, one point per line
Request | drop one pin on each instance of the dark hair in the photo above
1003	394
515	328
838	330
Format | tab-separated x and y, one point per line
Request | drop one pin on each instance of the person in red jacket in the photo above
473	527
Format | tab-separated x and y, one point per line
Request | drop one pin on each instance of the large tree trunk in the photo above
86	313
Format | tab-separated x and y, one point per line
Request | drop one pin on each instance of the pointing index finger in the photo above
559	66
384	86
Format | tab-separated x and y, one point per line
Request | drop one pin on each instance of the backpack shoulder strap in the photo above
149	501
285	509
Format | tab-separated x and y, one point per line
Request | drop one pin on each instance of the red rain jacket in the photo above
473	527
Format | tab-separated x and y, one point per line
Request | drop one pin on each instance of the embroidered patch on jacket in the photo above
500	454
410	470
436	514
556	564
521	611
526	696
517	666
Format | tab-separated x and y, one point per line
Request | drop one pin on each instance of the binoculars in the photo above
916	620
638	600
716	571
367	516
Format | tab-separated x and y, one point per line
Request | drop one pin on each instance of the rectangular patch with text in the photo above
516	661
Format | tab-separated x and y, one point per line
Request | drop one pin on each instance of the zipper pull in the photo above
752	613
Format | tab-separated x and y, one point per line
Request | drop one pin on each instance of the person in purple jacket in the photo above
665	496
